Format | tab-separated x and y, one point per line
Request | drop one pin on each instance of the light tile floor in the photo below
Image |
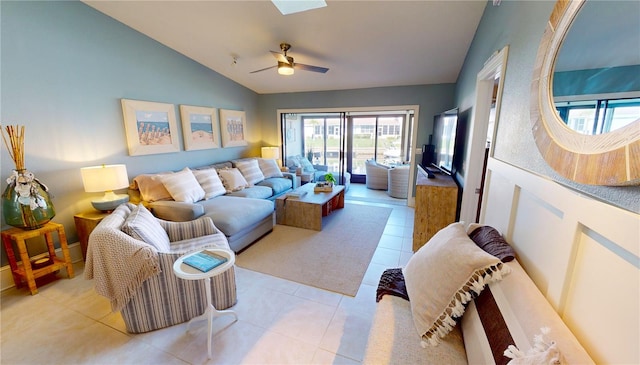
280	321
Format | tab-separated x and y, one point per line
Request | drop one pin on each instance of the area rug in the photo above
334	259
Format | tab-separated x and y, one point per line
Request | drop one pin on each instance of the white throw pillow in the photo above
269	168
232	179
183	186
443	276
250	170
210	182
143	226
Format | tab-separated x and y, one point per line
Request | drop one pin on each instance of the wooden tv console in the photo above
436	203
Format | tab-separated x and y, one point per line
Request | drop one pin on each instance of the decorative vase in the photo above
25	201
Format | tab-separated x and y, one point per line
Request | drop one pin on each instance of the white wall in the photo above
582	254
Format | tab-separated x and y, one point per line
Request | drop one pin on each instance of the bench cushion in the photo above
524	312
393	340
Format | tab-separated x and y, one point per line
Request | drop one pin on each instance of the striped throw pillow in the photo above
210	182
250	170
269	168
143	226
183	186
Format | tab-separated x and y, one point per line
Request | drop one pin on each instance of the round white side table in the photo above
187	272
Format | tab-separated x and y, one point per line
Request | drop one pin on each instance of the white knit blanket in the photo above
119	264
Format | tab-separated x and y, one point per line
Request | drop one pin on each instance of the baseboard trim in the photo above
6	279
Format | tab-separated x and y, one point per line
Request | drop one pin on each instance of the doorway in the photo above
486	114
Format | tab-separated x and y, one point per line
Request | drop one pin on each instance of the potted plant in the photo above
328	177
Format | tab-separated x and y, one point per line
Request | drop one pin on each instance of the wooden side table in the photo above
23	270
85	224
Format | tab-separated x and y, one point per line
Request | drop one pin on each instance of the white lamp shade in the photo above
271	152
104	178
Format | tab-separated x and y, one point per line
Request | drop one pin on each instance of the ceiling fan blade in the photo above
301	66
280	57
262	69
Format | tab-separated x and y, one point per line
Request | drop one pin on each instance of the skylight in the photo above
287	7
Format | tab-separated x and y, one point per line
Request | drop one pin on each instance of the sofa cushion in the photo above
151	187
210	182
250	170
232	214
183	186
143	226
256	192
443	276
232	179
269	168
277	184
515	309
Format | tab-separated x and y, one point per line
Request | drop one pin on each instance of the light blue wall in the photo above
64	69
520	24
597	81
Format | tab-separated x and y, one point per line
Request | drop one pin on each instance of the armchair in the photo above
134	270
398	182
376	175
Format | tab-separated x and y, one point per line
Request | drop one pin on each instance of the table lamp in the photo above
106	178
271	153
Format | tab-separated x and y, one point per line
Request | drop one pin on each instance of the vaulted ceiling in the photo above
363	43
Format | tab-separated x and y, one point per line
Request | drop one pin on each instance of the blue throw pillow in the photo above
306	165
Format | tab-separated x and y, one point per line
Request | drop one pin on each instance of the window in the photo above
599	116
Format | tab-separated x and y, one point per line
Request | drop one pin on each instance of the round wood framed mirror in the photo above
605	159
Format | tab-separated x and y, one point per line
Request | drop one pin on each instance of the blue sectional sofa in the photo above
243	211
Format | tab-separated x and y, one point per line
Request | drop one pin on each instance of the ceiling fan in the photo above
286	65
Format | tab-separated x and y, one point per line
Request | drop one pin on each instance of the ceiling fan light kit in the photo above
286	65
285	69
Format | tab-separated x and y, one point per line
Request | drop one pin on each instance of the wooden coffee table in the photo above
307	211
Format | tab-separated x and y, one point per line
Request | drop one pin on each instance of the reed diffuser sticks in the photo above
15	144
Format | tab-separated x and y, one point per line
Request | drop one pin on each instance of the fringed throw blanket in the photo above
392	283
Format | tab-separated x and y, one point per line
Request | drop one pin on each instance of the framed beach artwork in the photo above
233	128
150	127
199	127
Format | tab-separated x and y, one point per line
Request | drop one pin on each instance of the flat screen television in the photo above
444	140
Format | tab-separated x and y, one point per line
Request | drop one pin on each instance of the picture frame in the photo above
150	127
200	127
233	128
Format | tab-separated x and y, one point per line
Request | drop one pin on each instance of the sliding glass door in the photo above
344	141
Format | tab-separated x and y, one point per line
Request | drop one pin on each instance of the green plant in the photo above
329	178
